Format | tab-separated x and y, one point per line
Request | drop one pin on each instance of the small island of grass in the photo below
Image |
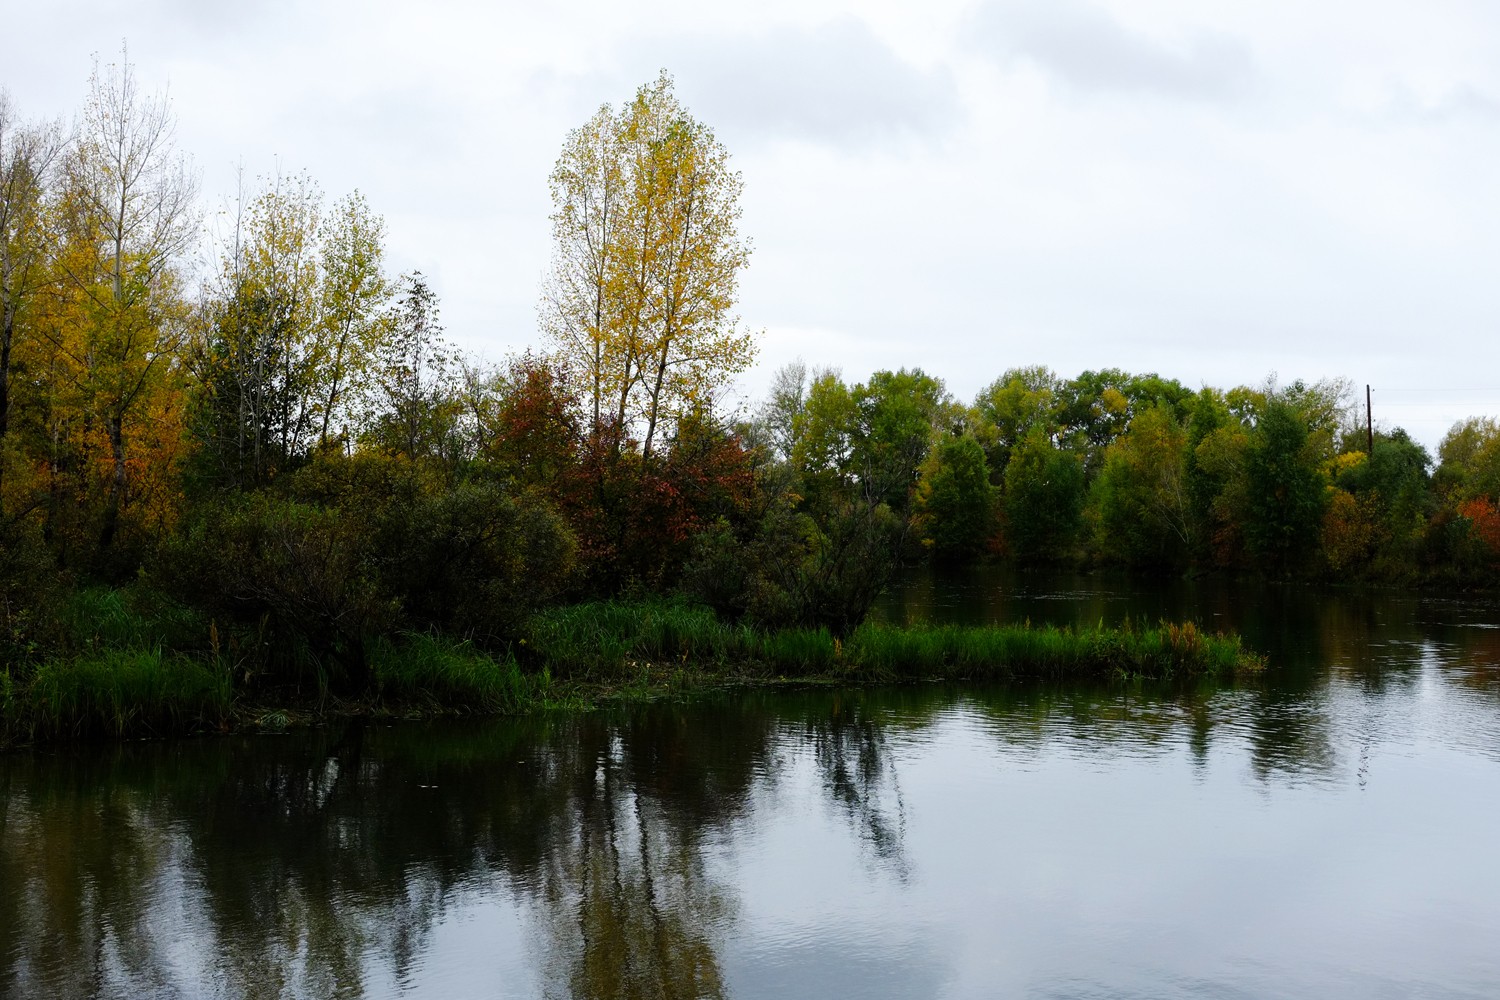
142	674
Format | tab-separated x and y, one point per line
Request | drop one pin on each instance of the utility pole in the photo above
1369	424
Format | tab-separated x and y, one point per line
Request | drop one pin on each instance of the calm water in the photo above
1330	831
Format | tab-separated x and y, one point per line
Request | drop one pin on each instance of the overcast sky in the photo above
1214	192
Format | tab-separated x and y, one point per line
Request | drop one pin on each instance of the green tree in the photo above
1285	487
1043	499
1143	515
1097	406
893	432
414	406
354	294
1393	485
1016	402
956	501
1469	460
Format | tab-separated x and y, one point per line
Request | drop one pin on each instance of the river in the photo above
1327	830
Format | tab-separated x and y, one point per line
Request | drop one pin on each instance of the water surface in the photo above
1327	831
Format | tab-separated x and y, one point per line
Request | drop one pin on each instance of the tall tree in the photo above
259	346
955	500
27	155
353	300
130	216
1286	486
581	306
1141	506
646	264
413	405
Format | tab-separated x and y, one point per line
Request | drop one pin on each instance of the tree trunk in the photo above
116	483
7	331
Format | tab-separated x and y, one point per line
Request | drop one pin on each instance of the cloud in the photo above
1089	49
836	84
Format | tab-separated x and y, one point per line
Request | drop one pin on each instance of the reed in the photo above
798	651
1165	651
609	638
117	681
125	692
433	670
102	618
606	637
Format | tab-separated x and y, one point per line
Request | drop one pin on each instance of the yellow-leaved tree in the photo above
27	155
645	268
128	218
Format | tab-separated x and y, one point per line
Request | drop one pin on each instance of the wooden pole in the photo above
1369	424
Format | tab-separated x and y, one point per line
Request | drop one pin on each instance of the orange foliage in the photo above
1484	522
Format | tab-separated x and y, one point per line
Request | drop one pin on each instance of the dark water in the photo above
1332	830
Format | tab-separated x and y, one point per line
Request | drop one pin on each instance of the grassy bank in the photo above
142	669
606	639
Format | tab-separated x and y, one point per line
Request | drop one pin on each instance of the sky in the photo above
1218	193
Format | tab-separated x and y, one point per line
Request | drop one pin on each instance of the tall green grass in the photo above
1165	651
117	680
427	669
123	693
607	638
100	618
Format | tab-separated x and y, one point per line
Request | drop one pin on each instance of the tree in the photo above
1016	402
529	425
1096	407
288	334
956	501
787	399
1392	489
129	213
1144	514
1469	457
581	308
27	156
893	433
1043	499
354	293
413	404
646	262
1285	486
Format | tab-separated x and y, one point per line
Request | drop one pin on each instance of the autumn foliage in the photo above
287	444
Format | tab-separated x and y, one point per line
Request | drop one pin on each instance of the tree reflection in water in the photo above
291	866
325	863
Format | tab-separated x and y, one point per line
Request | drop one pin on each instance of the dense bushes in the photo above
365	547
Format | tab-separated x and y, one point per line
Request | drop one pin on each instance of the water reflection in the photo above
307	864
612	855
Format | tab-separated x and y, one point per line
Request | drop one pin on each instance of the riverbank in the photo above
130	683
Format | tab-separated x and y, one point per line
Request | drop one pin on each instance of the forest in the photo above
278	468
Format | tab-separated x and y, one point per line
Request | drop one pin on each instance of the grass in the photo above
605	639
99	618
124	692
432	670
954	652
115	679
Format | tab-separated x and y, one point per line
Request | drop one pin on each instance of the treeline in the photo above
286	462
1141	472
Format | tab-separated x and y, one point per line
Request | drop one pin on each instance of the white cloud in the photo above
1088	48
